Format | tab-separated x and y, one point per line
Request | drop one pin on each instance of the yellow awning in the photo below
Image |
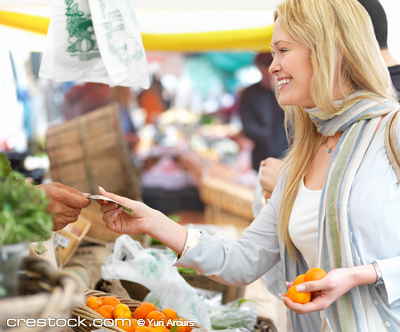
243	39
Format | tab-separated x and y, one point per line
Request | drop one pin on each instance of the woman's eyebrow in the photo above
281	41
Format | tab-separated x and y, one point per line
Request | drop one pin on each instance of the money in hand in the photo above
124	207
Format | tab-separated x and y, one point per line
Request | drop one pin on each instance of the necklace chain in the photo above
330	147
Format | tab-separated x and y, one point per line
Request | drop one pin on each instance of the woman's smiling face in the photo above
292	68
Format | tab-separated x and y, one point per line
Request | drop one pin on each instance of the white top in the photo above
303	223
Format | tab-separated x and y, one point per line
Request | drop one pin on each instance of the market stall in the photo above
90	150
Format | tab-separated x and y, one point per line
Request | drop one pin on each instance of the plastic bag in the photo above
236	314
153	269
95	41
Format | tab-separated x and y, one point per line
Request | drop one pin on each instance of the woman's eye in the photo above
282	50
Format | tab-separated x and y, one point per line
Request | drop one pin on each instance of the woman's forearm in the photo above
167	231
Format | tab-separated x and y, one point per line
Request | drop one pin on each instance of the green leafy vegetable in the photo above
5	166
23	215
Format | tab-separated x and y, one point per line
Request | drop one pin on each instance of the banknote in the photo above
124	207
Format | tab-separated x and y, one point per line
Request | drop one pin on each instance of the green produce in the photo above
23	216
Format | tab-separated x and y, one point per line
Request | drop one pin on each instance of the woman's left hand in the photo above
330	288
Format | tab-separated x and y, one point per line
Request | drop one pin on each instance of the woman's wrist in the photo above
167	231
365	274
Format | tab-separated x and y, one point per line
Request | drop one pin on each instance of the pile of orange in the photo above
149	317
311	275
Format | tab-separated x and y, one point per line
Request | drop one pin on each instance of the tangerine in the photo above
155	316
106	311
122	311
134	322
102	298
110	300
141	329
93	302
170	315
126	324
314	274
143	310
299	279
298	297
160	328
182	324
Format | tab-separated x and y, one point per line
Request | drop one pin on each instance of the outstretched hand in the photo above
122	222
65	203
144	220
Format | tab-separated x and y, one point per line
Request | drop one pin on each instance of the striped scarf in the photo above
358	119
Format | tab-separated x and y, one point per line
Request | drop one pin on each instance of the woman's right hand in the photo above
122	222
144	220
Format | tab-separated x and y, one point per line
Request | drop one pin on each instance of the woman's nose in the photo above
274	67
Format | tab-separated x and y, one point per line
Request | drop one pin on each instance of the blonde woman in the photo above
337	203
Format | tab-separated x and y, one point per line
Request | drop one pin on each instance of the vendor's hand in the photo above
270	175
122	222
329	289
65	203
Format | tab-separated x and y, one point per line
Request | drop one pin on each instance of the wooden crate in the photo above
90	151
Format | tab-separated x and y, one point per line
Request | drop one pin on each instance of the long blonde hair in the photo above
343	48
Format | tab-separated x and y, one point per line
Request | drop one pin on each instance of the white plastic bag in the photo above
95	41
153	269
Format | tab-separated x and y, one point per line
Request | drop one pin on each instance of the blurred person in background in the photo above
380	23
152	101
81	99
261	115
272	167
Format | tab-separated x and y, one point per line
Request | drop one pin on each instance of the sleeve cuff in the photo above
193	239
390	269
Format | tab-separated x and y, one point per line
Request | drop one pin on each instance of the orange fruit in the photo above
298	297
93	302
160	328
141	329
155	316
143	310
122	311
170	314
110	300
183	325
126	324
106	311
299	279
102	298
134	322
314	274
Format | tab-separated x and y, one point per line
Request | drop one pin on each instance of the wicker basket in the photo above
227	195
85	312
51	294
